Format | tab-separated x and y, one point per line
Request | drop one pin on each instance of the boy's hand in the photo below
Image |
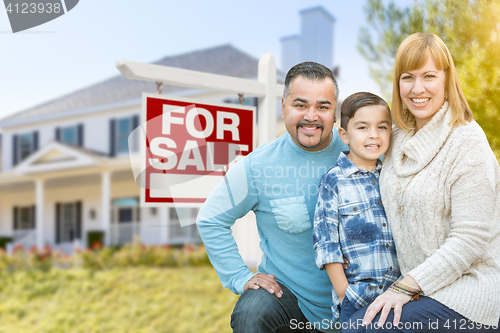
266	281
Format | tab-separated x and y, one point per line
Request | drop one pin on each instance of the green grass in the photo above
189	299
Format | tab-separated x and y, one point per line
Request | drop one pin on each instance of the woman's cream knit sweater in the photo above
441	191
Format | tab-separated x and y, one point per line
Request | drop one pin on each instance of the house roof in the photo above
222	60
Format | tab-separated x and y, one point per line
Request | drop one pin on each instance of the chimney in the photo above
315	42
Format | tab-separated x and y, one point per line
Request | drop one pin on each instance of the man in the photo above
279	181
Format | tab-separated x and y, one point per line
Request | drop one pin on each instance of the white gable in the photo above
57	156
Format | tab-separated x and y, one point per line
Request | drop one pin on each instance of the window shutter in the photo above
35	141
78	220
15	218
58	223
58	134
79	130
112	137
33	216
15	150
135	124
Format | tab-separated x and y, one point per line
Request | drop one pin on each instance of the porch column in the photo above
39	212
105	206
164	223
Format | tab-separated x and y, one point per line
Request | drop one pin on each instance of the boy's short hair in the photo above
356	101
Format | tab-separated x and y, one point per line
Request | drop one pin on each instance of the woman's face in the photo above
422	91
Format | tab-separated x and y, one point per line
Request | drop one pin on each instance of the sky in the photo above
81	47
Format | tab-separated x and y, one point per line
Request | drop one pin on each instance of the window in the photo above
72	135
24	222
125	220
24	219
120	130
68	222
126	210
69	135
123	129
25	145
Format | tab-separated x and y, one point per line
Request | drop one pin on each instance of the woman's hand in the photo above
385	302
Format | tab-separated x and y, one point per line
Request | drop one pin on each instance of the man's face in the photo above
309	112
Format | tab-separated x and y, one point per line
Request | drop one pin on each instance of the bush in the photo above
94	237
4	240
97	257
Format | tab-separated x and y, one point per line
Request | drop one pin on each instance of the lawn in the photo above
133	299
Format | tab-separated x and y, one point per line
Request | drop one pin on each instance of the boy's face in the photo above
368	134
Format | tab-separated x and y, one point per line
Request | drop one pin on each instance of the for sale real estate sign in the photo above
189	146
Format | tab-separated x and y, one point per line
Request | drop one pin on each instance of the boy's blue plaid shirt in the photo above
350	222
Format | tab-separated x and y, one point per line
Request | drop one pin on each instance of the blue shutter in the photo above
112	137
35	141
15	150
79	133
58	134
33	216
14	218
58	223
135	124
78	220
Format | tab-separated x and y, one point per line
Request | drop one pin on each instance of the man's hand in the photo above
265	281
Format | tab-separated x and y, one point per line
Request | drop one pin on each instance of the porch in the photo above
72	209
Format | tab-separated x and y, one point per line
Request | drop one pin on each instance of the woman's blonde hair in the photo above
412	54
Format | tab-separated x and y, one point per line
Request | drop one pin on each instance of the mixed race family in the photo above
402	232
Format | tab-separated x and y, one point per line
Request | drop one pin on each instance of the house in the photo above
66	169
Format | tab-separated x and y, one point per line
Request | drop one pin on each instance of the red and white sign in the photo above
189	146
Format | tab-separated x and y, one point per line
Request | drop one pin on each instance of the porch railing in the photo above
122	233
25	238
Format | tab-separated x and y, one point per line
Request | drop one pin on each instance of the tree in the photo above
470	29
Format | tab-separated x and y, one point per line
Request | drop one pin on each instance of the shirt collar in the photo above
348	168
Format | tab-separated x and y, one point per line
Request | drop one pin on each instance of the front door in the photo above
68	222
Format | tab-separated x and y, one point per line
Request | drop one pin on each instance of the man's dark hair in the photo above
312	71
356	101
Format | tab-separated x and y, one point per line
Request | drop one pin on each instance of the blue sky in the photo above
81	47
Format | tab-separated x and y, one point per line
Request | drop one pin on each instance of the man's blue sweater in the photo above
279	182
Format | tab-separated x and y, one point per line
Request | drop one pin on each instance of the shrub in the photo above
97	257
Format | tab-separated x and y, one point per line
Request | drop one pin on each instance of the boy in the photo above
350	220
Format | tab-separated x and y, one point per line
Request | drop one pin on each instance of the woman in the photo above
440	188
